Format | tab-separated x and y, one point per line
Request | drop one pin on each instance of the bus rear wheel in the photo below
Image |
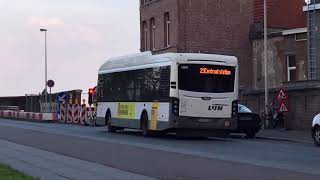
316	136
144	125
110	128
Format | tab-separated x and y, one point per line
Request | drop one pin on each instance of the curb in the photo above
284	139
30	120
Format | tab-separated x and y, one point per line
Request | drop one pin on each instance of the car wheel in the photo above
316	136
251	134
110	128
144	125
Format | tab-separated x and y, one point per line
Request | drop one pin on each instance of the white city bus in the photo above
181	92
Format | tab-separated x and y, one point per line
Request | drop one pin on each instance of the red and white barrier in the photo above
63	112
16	115
29	115
76	113
70	113
7	114
10	114
50	116
83	114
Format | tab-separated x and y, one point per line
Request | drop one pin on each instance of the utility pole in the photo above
266	94
45	64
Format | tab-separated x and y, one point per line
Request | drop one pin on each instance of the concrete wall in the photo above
19	101
278	49
303	103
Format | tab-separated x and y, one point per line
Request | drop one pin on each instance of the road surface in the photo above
170	157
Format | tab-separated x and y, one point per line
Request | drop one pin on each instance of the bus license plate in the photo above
245	118
205	120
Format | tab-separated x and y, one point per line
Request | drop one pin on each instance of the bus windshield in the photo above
206	78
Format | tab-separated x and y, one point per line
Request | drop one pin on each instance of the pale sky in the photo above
82	35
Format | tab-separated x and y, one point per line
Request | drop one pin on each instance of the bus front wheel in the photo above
144	125
110	128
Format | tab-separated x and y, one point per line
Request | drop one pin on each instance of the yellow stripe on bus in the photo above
154	116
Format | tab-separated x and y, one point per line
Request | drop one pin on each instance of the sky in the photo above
81	36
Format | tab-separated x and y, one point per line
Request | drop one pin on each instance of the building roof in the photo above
311	7
294	31
147	59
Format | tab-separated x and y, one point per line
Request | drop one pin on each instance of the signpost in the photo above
50	84
282	98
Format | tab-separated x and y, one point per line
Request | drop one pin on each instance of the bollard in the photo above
70	113
76	112
63	116
83	114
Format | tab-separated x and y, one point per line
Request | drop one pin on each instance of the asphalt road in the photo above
170	157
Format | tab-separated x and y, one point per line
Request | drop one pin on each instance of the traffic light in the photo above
90	96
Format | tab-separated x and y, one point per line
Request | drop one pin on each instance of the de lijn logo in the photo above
216	107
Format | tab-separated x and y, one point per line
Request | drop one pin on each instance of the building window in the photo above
291	68
166	29
152	34
143	2
301	37
144	36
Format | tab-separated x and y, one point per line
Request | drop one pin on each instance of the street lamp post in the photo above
266	61
46	68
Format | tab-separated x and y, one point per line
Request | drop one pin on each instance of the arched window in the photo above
144	35
166	29
152	34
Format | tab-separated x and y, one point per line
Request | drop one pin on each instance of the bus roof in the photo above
147	58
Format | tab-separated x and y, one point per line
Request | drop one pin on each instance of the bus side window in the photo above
100	88
164	89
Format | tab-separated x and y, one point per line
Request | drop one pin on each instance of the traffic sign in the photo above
283	108
50	83
282	95
62	97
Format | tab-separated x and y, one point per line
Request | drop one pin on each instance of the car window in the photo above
243	109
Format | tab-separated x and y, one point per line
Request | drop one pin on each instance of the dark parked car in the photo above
249	123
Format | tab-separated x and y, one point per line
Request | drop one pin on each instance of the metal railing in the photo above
11	108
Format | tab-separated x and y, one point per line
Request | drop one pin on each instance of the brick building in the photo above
235	27
214	26
287	43
290	60
206	26
282	14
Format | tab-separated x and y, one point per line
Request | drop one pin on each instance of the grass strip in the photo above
7	173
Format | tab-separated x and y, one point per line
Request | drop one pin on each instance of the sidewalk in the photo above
51	166
286	135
